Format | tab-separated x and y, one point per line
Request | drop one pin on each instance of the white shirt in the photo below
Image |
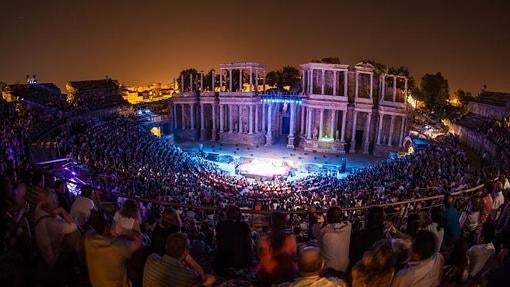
424	273
478	256
80	210
439	234
499	199
334	241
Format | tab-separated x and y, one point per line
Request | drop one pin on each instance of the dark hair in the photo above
436	214
129	209
176	244
278	224
99	222
489	187
448	200
59	183
334	215
86	191
169	218
37	177
413	224
375	216
424	244
488	232
233	213
312	264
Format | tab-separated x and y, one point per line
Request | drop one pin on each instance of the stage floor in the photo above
305	163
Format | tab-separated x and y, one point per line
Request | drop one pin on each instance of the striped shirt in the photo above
168	271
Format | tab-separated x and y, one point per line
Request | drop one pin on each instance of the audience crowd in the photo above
310	238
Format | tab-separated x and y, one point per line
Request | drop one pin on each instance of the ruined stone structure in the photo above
340	108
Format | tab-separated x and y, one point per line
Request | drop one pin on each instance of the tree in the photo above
274	78
290	76
433	91
464	97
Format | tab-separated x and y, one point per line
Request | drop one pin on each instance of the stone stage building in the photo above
339	108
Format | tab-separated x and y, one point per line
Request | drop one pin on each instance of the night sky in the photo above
138	42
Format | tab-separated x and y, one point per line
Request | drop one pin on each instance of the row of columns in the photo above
309	75
391	131
306	120
251	82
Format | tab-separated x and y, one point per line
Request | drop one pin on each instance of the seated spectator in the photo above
487	202
277	252
334	241
34	193
176	267
479	255
472	223
456	264
498	277
436	226
452	230
310	265
376	268
169	223
127	219
65	198
52	224
234	251
372	232
83	205
498	198
425	265
106	255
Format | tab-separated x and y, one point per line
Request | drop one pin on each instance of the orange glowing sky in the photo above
138	42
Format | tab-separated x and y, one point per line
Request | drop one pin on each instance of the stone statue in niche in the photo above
336	135
235	126
245	128
315	134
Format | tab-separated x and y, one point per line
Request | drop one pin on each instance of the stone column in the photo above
192	115
290	143
240	80
264	121
202	118
392	123
213	129
366	142
221	79
251	119
323	81
371	85
230	119
402	127
309	123
332	124
379	129
356	86
264	81
334	83
310	82
181	88
182	118
383	89
394	88
230	80
269	136
346	76
257	118
222	119
251	81
353	134
321	123
240	120
175	116
344	117
256	87
302	125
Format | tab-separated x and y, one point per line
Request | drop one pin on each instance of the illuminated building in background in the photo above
145	94
339	107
